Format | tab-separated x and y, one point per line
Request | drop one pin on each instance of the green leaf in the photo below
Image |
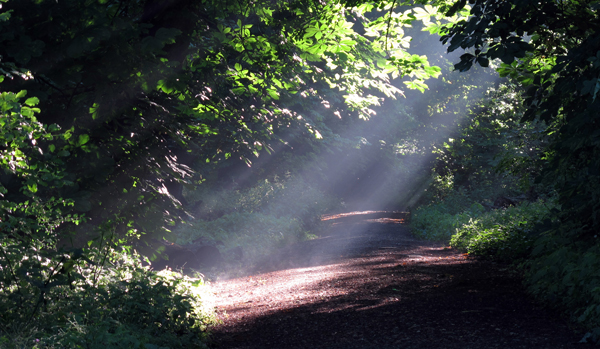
21	94
32	101
94	110
164	86
83	139
238	90
273	94
32	187
27	112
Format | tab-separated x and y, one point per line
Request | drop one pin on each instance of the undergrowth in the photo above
505	234
274	213
502	234
95	298
277	197
558	270
564	273
256	233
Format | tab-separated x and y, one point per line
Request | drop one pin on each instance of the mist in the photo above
369	166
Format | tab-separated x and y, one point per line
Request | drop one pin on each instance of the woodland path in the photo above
367	283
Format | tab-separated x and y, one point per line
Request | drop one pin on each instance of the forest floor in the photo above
368	283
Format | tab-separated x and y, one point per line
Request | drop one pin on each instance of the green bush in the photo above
501	234
438	222
564	274
95	299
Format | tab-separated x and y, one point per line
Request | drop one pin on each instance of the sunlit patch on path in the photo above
300	286
367	217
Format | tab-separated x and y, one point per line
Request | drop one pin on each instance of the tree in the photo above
492	149
144	91
129	100
553	50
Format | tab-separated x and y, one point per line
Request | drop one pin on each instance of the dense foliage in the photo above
114	110
561	81
551	50
95	298
144	93
123	122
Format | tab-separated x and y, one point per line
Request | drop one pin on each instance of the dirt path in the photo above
367	283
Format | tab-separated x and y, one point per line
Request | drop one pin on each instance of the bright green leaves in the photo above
355	63
314	31
415	66
221	35
165	86
233	81
20	137
322	36
332	34
36	165
416	85
83	139
32	101
268	55
5	16
238	36
250	49
434	22
273	94
19	129
94	110
246	81
243	29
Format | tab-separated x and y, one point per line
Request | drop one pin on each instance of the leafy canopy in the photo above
142	93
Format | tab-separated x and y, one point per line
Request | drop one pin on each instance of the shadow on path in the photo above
367	283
